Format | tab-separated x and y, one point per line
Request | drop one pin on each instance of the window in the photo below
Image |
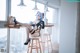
3	31
25	14
2	10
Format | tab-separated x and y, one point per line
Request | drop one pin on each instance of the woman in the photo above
38	25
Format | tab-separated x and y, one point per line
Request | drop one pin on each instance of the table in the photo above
23	25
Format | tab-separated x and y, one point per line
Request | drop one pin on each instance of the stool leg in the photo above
47	44
31	46
51	43
40	41
28	48
36	46
42	45
39	46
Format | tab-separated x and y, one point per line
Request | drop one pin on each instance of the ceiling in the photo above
51	3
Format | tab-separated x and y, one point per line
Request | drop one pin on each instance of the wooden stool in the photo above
34	44
48	41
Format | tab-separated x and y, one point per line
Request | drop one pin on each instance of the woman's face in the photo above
40	17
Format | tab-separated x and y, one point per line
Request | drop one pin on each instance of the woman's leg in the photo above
28	29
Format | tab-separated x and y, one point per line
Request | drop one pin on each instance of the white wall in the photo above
68	27
78	31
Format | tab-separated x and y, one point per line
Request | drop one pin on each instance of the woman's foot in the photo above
26	43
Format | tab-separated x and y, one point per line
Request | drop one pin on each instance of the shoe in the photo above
26	43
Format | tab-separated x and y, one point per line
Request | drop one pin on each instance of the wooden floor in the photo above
55	51
55	48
